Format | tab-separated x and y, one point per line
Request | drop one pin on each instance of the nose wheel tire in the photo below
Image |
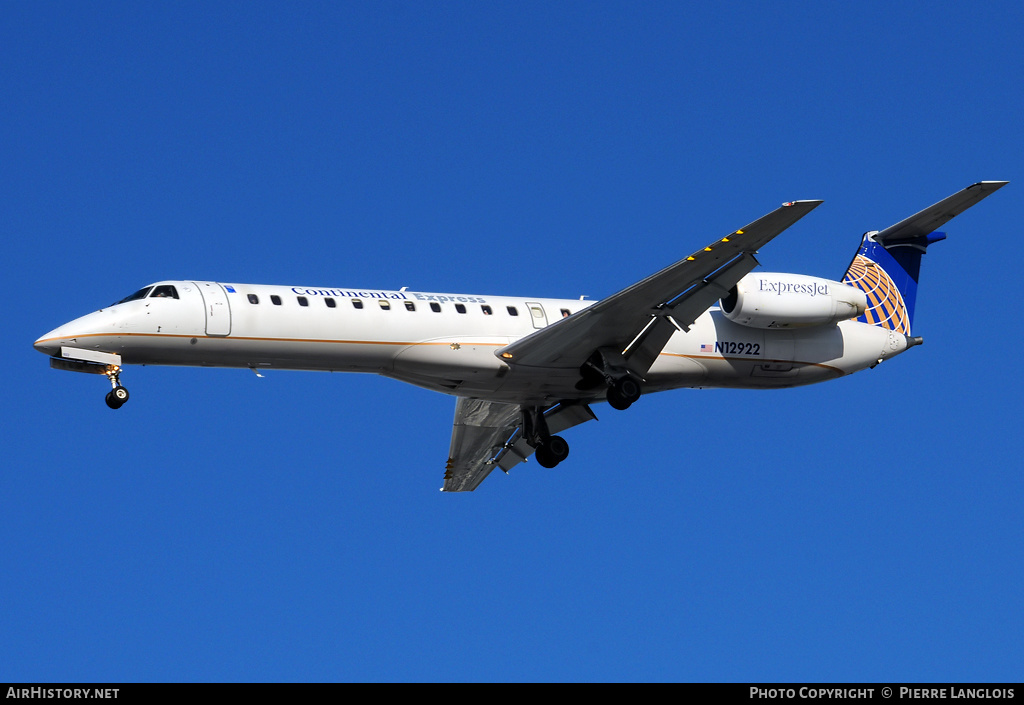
552	451
116	397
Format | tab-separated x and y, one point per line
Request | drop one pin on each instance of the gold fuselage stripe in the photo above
409	344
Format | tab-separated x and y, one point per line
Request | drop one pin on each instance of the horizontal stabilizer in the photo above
933	217
887	266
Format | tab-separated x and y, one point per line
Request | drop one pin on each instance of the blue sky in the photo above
224	527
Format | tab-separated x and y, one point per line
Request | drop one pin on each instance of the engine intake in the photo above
770	300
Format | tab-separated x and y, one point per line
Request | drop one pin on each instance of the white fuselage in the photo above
444	342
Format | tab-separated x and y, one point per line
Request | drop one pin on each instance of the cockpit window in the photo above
140	294
165	291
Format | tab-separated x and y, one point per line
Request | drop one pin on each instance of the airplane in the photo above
526	369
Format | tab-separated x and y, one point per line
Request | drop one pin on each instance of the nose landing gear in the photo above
117	396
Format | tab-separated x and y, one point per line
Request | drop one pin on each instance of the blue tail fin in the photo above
888	275
888	263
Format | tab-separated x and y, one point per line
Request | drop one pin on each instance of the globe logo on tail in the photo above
886	307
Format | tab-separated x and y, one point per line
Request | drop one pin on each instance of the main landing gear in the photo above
609	368
550	450
117	396
623	392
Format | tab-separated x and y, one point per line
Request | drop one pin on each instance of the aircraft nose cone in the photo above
70	334
48	344
51	343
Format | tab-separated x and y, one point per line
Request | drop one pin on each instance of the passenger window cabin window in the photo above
512	311
331	303
165	291
461	308
384	305
357	303
410	306
253	299
275	299
486	309
435	307
303	301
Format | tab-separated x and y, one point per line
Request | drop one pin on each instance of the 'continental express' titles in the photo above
400	295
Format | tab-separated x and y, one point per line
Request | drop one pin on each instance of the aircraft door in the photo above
779	351
537	315
218	310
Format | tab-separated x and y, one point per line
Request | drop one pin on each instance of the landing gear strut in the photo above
551	450
117	396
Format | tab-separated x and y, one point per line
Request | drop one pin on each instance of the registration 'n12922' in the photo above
730	348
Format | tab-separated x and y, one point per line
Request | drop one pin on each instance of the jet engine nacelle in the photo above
770	300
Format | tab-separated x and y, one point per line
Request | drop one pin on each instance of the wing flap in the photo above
682	312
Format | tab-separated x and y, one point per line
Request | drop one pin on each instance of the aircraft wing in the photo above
639	320
489	434
933	217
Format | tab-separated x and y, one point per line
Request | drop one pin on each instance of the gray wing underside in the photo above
639	320
488	435
479	432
